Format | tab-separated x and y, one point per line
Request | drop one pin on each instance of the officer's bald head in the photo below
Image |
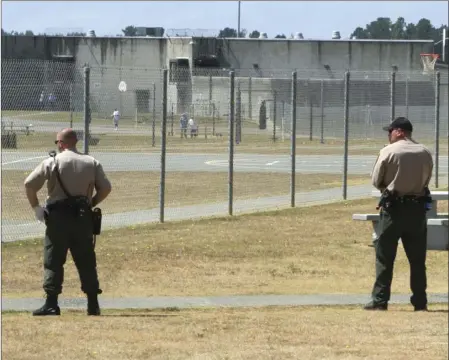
66	139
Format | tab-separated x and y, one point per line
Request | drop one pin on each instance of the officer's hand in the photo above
39	212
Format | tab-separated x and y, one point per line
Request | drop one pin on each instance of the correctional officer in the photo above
69	223
404	169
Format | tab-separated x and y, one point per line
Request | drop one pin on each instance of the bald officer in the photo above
404	168
68	220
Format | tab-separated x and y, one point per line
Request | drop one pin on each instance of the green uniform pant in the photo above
65	231
406	221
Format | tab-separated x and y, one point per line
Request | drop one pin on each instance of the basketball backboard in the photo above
428	61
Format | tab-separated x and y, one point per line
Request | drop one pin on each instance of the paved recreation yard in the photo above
115	161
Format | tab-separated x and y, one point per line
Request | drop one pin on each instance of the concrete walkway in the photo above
29	304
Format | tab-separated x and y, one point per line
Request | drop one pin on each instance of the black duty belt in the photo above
73	204
410	198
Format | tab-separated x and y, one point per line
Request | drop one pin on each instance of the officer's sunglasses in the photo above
58	141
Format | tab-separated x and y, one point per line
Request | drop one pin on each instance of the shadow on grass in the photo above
155	316
444	311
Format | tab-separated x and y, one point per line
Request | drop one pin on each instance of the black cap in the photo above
399	123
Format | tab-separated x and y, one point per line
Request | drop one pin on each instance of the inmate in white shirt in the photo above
116	115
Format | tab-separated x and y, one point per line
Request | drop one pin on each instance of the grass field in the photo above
139	190
251	143
343	333
313	250
318	250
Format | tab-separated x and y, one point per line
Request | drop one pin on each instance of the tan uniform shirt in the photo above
404	166
79	173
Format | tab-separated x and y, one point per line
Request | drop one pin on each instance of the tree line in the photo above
381	28
384	28
31	33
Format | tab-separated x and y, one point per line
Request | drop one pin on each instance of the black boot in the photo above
93	307
49	308
375	306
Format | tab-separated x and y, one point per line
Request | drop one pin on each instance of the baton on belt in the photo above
96	219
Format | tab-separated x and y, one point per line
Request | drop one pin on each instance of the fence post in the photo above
310	118
322	112
250	102
437	126
231	142
153	127
293	140
346	136
274	114
172	119
238	119
406	97
213	119
86	109
392	96
163	145
283	120
71	104
210	92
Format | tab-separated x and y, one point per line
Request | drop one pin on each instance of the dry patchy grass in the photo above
341	333
312	250
253	139
258	144
139	190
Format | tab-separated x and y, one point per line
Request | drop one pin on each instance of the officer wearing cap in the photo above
403	171
68	219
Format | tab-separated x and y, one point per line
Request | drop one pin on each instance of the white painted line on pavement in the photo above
272	163
225	162
257	164
23	160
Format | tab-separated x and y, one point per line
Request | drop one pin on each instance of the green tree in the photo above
76	34
398	29
410	31
227	33
16	33
360	33
424	29
130	31
254	34
383	28
231	33
280	36
379	29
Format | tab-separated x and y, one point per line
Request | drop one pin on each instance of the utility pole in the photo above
238	22
444	46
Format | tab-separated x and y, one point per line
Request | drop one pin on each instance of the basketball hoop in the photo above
428	62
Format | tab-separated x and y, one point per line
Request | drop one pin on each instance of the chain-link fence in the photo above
180	144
